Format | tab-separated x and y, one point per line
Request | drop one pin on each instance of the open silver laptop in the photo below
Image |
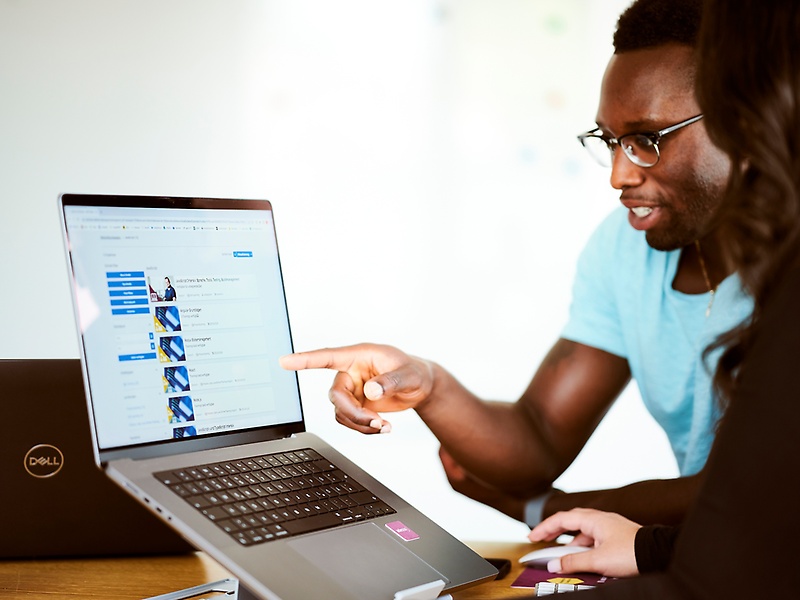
182	316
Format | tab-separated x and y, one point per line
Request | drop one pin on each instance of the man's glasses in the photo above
640	148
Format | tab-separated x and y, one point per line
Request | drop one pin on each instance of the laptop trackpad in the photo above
372	564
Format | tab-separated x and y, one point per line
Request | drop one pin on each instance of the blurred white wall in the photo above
421	157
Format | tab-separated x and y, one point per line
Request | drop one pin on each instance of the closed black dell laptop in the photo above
55	501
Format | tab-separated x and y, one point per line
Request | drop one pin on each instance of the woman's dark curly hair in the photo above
748	86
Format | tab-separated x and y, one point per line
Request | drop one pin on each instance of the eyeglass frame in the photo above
653	136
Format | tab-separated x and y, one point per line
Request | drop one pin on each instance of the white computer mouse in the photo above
539	558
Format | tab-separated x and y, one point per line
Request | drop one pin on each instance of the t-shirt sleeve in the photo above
594	315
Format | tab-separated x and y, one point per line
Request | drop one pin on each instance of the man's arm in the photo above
518	447
522	447
657	501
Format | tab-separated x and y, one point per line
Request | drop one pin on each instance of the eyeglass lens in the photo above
638	148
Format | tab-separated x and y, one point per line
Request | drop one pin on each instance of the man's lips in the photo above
631	203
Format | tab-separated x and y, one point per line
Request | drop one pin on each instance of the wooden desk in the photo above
136	578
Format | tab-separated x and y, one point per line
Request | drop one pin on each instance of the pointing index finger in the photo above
338	359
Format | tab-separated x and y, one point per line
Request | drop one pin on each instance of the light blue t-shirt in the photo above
623	303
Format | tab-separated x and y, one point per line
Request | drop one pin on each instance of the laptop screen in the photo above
182	317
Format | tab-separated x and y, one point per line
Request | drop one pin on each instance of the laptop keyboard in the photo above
267	497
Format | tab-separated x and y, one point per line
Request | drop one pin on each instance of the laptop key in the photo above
167	478
199	501
216	513
364	497
309	524
228	525
180	490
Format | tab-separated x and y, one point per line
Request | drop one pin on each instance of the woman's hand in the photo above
611	537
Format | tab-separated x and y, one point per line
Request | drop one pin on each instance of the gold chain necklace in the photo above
712	290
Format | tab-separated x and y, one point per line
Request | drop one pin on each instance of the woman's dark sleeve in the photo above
653	547
743	529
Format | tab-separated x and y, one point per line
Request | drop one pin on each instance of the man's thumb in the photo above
373	390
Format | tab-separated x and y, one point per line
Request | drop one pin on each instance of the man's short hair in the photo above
653	23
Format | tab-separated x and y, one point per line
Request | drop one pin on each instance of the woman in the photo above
741	535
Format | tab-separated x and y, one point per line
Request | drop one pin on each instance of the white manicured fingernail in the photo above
386	428
554	565
373	390
376	424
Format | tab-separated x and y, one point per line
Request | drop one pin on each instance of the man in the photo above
651	292
169	291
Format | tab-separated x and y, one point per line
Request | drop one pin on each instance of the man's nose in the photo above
624	173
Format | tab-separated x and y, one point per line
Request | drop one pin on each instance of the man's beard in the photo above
691	223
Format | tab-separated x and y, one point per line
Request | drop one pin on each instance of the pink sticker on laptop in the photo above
403	531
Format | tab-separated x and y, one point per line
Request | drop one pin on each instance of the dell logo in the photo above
43	460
